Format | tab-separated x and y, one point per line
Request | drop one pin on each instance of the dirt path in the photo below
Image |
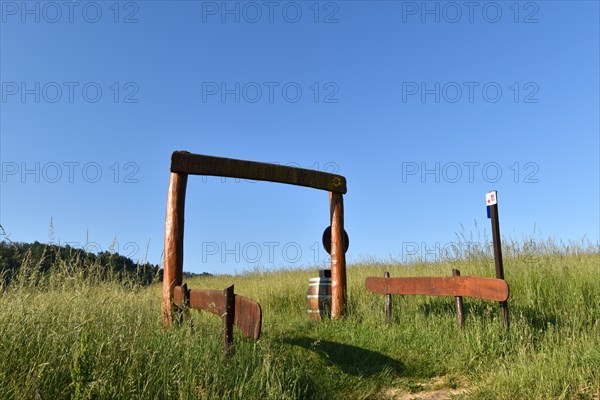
440	394
432	390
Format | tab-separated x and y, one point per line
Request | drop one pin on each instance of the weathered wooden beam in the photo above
198	164
173	268
469	286
338	256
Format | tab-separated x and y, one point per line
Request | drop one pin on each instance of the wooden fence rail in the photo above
456	286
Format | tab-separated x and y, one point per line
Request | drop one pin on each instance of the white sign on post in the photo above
491	198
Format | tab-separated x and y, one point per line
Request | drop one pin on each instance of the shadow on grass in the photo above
350	359
535	318
490	310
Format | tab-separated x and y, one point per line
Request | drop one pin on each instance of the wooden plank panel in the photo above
248	317
212	301
471	286
198	164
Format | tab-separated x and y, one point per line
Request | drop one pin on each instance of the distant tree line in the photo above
45	257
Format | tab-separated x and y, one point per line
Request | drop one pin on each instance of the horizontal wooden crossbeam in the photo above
248	314
197	164
470	286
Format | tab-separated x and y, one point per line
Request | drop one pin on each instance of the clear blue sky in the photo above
424	107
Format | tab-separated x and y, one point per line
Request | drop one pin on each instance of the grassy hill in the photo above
70	336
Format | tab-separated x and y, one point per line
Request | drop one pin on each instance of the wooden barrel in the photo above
319	298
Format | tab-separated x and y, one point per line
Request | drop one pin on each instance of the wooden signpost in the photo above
491	199
184	164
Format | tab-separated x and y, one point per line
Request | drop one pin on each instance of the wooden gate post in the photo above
338	256
173	267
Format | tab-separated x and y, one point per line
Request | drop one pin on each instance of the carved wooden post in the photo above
338	256
173	268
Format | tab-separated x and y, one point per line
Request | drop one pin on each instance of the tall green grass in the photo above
69	334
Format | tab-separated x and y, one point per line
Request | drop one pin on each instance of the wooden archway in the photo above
184	164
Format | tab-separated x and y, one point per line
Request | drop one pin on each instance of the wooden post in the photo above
173	268
228	319
186	295
460	317
184	311
497	249
388	303
338	256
